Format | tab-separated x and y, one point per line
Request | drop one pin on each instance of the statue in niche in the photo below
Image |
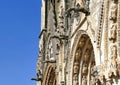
92	81
85	69
84	80
75	79
92	68
113	63
93	75
57	46
82	42
60	28
113	32
113	11
76	68
77	15
77	55
86	56
102	80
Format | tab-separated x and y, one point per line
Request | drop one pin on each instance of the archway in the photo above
50	78
84	62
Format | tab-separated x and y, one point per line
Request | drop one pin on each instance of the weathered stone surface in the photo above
80	43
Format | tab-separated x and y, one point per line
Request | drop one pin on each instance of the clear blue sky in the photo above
19	31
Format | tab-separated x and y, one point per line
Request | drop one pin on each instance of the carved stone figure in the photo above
77	14
113	63
92	68
113	32
82	42
76	68
114	51
86	56
75	79
61	20
102	80
85	69
113	12
84	80
78	55
92	81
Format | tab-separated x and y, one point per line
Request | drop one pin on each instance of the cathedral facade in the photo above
79	43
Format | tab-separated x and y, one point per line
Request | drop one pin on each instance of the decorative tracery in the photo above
84	60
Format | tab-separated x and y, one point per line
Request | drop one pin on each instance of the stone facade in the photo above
79	43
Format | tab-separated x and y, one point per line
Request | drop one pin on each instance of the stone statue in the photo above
113	63
84	80
77	14
61	20
102	80
86	56
76	68
113	12
75	79
92	68
113	32
92	81
113	51
82	42
85	69
77	55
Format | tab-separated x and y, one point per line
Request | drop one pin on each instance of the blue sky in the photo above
19	31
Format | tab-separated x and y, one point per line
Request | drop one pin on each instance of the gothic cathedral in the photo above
79	43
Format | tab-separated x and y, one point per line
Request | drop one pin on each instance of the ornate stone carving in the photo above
60	28
76	68
84	80
102	80
92	81
87	56
82	42
93	75
77	55
75	79
112	60
99	31
118	30
84	69
77	14
113	11
113	32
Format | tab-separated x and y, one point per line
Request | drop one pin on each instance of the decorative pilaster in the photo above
112	56
100	28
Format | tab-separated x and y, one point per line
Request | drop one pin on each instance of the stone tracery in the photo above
80	59
88	60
